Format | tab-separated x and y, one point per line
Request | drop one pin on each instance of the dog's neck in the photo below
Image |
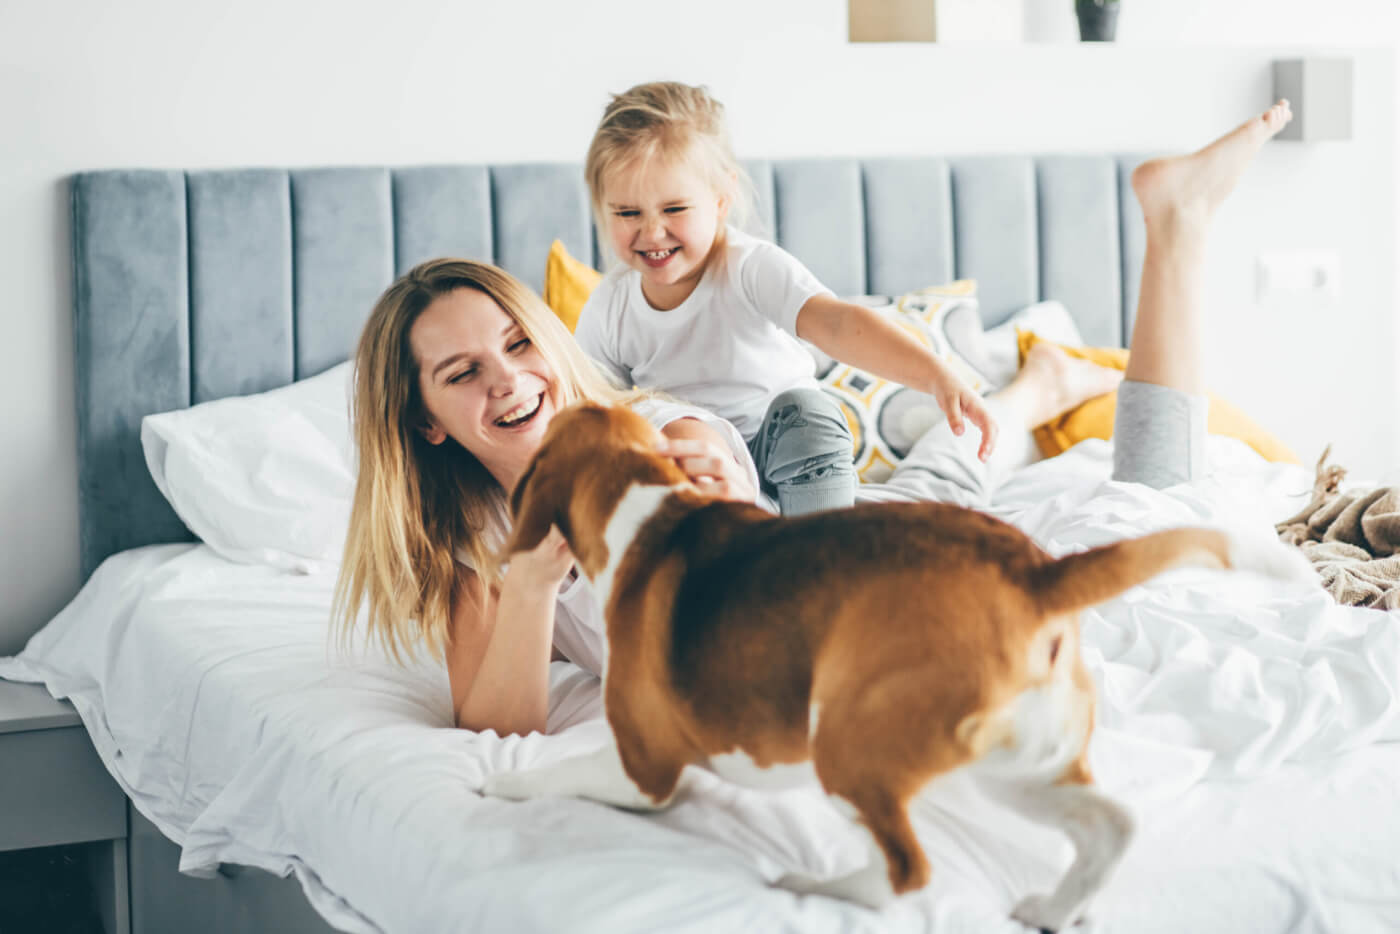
639	502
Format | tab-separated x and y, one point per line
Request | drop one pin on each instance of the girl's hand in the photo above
711	468
960	403
545	566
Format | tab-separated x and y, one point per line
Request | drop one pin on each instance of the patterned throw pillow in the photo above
887	418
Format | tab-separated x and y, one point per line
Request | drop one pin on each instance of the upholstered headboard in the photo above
190	286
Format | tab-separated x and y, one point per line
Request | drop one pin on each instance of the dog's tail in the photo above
1091	577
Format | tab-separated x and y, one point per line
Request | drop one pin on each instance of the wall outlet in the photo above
1297	274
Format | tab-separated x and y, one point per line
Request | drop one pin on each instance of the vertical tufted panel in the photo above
1079	261
533	205
763	223
908	224
131	349
820	219
240	240
342	259
994	207
1134	241
441	211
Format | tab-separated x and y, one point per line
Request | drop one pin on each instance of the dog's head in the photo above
590	455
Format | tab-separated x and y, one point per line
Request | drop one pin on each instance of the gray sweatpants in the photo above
1159	437
803	453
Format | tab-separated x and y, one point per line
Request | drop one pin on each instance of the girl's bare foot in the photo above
1187	189
1051	382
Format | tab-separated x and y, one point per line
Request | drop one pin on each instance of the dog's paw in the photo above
869	886
1041	913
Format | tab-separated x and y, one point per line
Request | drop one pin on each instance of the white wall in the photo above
90	84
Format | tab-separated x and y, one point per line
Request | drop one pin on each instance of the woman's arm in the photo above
499	651
863	338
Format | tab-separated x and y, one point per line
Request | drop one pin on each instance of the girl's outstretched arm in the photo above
862	337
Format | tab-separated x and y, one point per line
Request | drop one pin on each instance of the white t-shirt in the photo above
728	348
580	632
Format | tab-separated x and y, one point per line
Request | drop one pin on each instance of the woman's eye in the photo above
520	345
627	214
462	376
677	209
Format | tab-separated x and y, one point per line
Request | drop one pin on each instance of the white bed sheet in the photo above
1249	724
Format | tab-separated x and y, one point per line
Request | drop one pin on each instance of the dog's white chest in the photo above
740	768
637	505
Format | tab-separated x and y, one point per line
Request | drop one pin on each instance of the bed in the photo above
1250	725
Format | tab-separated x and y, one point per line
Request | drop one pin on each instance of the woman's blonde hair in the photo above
671	121
417	505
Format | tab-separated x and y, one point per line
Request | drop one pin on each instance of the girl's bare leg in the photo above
1050	383
1179	196
1159	430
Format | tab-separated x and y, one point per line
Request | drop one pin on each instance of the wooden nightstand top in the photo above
29	707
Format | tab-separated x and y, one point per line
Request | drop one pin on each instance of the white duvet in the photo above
1251	726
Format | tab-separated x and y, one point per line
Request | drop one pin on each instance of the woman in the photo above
458	372
460	368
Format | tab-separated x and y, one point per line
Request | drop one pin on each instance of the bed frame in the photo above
192	286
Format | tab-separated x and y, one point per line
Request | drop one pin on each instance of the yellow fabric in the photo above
567	284
1094	419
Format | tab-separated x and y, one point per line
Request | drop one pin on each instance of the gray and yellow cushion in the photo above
885	417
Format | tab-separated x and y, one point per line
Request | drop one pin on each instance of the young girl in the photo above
709	314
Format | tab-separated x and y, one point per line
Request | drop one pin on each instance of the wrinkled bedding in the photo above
1251	726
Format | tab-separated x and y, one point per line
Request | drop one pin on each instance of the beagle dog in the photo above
870	649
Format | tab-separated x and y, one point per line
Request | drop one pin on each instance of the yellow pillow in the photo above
567	284
1094	419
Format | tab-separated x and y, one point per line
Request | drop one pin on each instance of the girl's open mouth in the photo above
655	258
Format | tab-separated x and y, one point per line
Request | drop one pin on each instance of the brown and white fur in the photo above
870	649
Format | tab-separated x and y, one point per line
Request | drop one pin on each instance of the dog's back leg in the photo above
885	825
1099	828
875	786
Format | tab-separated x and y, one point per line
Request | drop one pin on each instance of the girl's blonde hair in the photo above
671	121
417	505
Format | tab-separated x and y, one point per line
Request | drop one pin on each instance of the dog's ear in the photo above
534	505
519	491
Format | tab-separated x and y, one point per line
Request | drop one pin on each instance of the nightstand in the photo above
54	790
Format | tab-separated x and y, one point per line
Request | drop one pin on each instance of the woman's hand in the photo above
544	566
709	465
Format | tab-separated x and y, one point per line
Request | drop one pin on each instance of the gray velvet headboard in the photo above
191	286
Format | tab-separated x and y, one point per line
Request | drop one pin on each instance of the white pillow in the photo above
262	479
993	353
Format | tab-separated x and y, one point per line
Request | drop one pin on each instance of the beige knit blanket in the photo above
1352	539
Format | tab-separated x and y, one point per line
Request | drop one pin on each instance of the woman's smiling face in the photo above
482	381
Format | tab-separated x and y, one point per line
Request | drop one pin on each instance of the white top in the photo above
729	348
580	632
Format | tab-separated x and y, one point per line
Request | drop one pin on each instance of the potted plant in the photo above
1097	19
